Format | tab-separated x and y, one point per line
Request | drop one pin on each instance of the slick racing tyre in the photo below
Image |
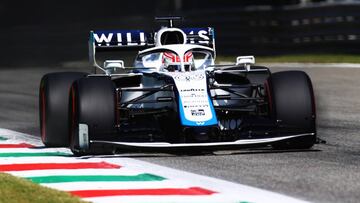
292	106
53	104
93	113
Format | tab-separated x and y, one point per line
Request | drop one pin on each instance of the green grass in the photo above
300	58
14	189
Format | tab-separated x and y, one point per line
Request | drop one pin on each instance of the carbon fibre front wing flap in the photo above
165	146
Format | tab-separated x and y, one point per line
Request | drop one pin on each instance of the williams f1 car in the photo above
174	98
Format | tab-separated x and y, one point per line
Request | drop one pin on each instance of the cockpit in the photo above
167	60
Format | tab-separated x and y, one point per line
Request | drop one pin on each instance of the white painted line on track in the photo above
225	191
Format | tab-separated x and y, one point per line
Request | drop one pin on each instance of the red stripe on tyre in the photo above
43	113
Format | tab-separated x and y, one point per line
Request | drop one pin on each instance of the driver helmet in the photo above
171	61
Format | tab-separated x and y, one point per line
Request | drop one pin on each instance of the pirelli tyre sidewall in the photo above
93	114
53	106
292	106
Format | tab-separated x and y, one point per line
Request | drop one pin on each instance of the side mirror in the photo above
247	61
111	66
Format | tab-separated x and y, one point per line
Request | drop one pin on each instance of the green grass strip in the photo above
3	138
14	189
94	178
32	154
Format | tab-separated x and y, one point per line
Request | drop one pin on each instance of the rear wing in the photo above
117	40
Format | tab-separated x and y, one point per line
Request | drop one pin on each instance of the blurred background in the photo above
42	32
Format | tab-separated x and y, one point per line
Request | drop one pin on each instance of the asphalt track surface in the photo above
328	173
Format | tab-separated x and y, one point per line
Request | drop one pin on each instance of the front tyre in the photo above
292	106
93	114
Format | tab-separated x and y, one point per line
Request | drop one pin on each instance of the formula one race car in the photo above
174	98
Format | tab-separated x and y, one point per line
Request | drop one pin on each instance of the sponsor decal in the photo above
106	38
120	38
192	90
189	78
204	35
200	123
195	106
198	112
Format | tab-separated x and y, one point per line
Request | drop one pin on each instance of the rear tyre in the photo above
53	105
292	106
93	114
